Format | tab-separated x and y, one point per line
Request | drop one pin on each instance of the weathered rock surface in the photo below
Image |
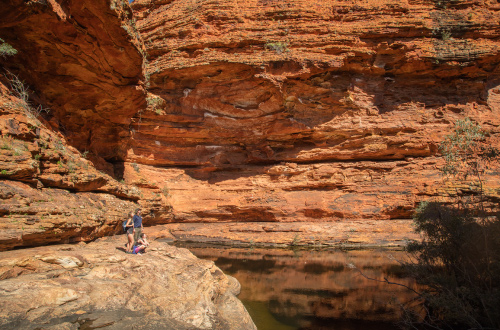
97	285
238	82
305	111
83	60
254	110
32	217
49	191
78	62
350	234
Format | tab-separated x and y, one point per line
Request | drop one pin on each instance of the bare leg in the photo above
130	240
141	250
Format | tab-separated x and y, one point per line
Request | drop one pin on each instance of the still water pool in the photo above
286	289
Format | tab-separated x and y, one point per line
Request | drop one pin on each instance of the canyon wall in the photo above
309	110
65	98
236	111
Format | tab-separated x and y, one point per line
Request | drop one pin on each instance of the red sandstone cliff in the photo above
311	111
79	62
254	110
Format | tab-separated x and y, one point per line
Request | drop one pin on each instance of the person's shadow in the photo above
121	249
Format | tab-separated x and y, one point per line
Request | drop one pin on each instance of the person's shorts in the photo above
130	230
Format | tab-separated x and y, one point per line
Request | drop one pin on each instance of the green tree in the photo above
458	260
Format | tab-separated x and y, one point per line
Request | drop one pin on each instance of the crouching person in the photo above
141	245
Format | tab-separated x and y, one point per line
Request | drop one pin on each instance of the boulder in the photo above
98	285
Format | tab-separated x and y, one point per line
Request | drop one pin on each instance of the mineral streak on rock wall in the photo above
301	110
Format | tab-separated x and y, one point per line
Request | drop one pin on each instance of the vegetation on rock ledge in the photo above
6	49
458	260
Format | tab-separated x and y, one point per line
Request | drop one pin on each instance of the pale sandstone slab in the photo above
166	288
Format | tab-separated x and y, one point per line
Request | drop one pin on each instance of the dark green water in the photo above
286	289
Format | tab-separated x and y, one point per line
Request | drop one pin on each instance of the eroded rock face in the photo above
65	97
341	234
49	191
238	82
97	285
291	192
310	111
83	59
255	110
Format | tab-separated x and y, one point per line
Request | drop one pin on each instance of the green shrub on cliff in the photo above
458	259
6	49
279	46
154	101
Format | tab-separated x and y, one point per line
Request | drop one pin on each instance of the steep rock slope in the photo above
300	110
84	61
79	69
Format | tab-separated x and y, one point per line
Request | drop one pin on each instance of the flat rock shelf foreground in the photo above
347	233
97	285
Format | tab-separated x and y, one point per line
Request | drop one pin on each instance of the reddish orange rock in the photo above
343	234
307	111
254	110
83	60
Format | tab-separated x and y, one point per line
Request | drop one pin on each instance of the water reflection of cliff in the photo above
306	289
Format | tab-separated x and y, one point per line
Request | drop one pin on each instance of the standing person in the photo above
137	225
130	232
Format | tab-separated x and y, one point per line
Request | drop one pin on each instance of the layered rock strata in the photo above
83	60
340	234
50	192
254	110
98	286
239	82
66	95
273	111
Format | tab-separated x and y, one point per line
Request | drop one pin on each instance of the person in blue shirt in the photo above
137	225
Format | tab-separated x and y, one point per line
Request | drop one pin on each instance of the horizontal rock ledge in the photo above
346	233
